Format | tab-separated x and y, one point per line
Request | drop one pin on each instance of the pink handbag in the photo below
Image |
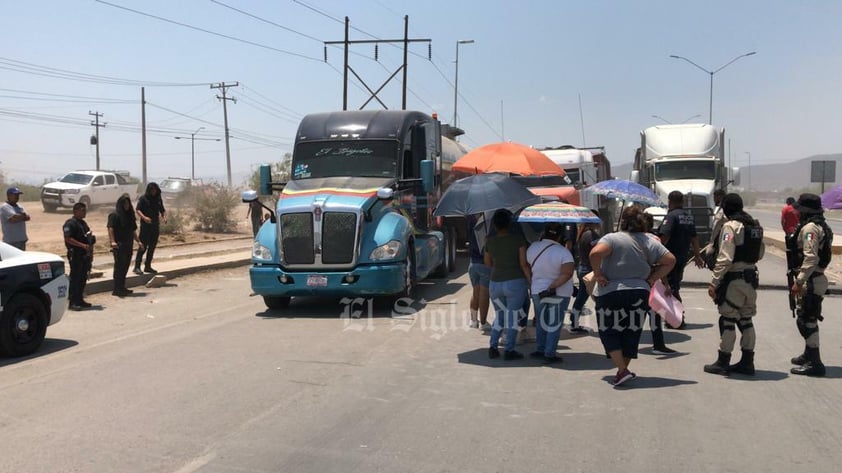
668	307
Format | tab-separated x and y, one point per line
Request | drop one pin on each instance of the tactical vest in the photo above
749	251
824	252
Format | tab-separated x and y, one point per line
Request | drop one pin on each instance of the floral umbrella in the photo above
628	191
557	212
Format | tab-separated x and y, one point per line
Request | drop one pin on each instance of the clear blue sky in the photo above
521	80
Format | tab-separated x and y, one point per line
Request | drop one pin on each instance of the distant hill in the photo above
776	177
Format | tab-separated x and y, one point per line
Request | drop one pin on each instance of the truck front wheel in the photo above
23	325
50	208
276	303
87	201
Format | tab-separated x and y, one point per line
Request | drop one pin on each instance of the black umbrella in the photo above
484	192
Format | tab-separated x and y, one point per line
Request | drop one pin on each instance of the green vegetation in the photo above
212	209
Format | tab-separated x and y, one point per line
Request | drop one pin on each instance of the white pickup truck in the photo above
89	187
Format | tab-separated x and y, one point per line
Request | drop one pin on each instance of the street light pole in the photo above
748	186
710	115
193	149
456	79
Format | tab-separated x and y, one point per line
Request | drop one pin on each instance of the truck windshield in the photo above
75	178
679	169
345	158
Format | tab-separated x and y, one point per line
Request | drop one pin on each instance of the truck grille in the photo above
338	237
297	238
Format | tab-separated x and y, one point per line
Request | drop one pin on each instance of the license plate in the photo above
316	280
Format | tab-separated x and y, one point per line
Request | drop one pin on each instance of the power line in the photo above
266	21
30	68
221	35
47	94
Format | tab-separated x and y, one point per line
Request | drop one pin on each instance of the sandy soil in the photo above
44	229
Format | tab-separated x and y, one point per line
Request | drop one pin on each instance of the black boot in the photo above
745	365
720	366
800	359
813	366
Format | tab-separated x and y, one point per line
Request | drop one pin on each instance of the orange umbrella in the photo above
508	157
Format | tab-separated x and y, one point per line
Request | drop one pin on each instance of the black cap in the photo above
731	204
809	203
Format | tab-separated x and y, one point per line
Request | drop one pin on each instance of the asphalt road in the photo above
198	377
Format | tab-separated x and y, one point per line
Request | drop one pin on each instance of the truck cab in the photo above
355	219
688	158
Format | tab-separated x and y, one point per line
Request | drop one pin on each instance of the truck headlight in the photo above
71	191
388	251
260	252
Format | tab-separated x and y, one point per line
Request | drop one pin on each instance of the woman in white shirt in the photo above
552	269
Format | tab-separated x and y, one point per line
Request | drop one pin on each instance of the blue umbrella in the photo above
621	189
483	192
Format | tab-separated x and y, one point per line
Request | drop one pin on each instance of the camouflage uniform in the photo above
813	238
735	283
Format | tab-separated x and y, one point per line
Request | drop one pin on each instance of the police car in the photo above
33	295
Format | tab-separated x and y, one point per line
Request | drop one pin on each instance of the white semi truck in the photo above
687	158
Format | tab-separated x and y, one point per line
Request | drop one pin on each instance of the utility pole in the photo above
143	132
347	68
95	138
224	87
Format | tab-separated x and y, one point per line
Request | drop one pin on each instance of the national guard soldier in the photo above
734	285
811	243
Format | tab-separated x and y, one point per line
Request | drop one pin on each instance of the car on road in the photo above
173	189
88	187
33	295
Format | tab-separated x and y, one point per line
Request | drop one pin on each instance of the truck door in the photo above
99	193
112	190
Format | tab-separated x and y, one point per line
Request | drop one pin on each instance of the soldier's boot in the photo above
745	365
800	359
813	366
720	366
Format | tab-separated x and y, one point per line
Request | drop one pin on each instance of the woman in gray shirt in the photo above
623	267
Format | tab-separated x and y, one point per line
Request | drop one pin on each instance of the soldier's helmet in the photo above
809	204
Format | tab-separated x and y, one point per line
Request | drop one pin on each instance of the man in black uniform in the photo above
811	243
678	234
80	249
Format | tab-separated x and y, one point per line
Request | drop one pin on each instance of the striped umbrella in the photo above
557	212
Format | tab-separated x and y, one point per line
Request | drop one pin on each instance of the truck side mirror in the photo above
635	176
265	175
428	172
249	196
735	176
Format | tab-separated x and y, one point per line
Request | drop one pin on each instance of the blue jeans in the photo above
508	298
581	297
549	319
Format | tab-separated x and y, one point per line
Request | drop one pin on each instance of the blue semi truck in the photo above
356	216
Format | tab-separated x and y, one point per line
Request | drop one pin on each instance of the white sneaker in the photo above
475	324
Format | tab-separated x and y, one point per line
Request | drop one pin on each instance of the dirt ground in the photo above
44	229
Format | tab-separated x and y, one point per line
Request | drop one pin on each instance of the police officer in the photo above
812	242
80	247
734	284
